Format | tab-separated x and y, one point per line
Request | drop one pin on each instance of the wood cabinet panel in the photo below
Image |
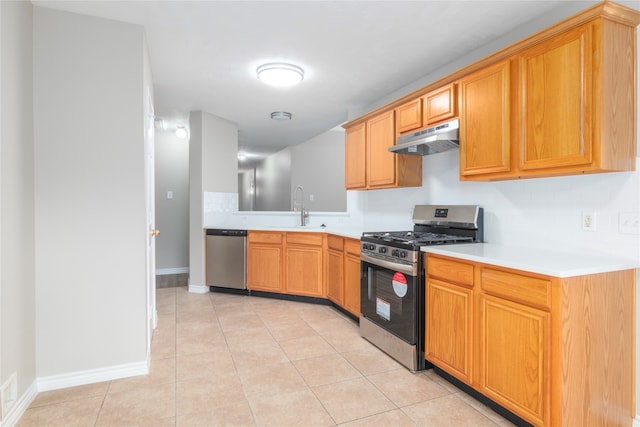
593	350
304	238
409	116
452	271
335	269
516	287
540	346
303	264
485	117
370	165
268	237
448	332
439	105
514	347
356	157
381	166
556	83
352	281
343	273
335	242
264	267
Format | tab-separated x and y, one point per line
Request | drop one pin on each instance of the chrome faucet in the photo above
303	213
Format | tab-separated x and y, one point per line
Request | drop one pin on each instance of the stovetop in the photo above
414	238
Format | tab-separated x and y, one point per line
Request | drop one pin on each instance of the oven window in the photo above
388	298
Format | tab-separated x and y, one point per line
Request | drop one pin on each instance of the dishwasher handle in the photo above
226	232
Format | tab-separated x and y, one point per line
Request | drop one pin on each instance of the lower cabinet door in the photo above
448	331
515	357
335	274
303	267
264	266
352	283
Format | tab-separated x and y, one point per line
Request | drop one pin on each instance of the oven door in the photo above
389	296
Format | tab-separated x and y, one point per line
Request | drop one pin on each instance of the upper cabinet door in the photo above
439	104
409	116
355	157
556	78
382	163
485	121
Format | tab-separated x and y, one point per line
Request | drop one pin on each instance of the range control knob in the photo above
382	250
403	254
368	246
395	252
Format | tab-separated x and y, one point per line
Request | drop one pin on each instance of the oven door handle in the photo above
402	268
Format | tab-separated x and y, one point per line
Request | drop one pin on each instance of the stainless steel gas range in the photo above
392	289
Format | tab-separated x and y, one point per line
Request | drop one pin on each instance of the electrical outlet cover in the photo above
588	221
629	223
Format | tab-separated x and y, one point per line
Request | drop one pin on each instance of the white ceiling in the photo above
204	54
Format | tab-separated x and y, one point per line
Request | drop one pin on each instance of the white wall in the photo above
213	168
172	215
17	256
318	166
90	192
273	182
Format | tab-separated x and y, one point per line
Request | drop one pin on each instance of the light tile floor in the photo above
220	359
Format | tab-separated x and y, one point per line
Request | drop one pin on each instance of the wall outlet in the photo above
629	222
588	221
9	394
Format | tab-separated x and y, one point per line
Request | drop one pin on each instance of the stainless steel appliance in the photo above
226	254
436	139
392	288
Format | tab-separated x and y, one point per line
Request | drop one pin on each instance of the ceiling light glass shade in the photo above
282	116
181	132
280	74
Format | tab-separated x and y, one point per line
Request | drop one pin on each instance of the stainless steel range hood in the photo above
443	137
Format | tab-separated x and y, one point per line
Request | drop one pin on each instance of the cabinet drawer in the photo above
451	271
527	290
335	242
352	246
305	238
268	237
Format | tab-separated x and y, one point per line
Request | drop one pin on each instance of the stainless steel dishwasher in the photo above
226	258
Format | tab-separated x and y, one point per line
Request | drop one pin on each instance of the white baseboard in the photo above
636	421
199	289
177	270
18	409
91	376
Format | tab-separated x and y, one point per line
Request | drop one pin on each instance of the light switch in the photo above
311	197
169	195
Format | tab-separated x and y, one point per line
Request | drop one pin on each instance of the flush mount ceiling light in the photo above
281	116
181	132
280	74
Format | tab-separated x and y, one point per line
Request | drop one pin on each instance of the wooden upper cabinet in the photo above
409	116
381	162
356	157
556	80
485	139
577	104
439	105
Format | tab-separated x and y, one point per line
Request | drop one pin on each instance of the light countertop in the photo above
548	262
350	232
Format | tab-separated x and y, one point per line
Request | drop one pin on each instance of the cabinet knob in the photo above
154	233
